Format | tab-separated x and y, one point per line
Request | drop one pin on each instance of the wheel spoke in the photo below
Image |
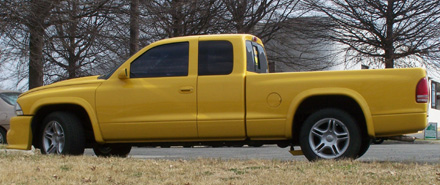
59	148
61	144
335	150
343	137
329	125
51	149
58	129
318	132
48	135
332	126
320	147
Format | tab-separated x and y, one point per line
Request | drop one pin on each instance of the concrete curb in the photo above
33	151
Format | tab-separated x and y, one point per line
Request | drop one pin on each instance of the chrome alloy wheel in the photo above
53	138
329	138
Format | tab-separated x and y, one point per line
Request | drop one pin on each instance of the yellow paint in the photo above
241	105
377	92
296	152
19	135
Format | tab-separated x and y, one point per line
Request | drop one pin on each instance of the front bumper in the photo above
20	133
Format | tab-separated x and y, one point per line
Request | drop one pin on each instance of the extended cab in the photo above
215	90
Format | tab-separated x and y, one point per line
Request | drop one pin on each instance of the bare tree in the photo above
34	17
263	19
171	18
134	26
393	33
295	48
260	17
121	35
65	30
71	46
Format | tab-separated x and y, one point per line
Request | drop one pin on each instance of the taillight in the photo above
422	91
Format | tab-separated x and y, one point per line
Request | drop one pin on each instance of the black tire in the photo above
364	147
111	150
3	140
62	133
330	134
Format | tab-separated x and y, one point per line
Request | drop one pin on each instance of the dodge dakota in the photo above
215	90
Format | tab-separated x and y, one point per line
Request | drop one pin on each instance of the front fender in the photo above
40	103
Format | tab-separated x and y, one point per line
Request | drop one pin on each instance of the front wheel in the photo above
62	133
330	134
108	150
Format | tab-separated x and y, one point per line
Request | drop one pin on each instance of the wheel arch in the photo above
79	107
315	99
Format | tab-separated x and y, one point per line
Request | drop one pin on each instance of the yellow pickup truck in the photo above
215	90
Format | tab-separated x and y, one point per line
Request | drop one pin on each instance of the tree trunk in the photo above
36	57
36	43
72	26
176	17
389	40
134	26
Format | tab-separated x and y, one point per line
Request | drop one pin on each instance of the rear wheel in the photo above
330	134
108	150
62	133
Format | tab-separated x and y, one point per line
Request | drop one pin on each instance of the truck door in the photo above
220	84
157	101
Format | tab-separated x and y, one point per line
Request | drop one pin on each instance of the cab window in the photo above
256	58
215	58
162	61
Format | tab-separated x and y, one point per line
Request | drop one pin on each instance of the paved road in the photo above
420	152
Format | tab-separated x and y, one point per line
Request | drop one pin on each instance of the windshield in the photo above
10	97
107	75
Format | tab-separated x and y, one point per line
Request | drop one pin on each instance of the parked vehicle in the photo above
215	90
8	100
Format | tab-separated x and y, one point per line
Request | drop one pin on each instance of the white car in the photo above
8	99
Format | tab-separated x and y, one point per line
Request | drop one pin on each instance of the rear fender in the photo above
296	102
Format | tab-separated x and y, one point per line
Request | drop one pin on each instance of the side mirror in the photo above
123	74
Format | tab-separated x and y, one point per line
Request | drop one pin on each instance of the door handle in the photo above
186	89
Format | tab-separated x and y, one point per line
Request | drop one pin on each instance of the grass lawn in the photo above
30	168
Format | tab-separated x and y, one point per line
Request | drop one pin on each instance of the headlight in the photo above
18	110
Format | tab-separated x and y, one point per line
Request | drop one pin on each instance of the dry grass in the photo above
18	168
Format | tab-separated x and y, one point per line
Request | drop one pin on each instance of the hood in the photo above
70	82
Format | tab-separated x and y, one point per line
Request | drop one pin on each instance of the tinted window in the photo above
256	58
161	61
10	98
215	58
